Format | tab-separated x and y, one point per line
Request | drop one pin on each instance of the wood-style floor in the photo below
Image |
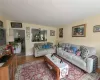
25	59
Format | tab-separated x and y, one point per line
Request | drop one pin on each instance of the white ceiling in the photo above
49	12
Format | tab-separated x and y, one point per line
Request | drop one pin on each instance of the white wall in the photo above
91	39
29	44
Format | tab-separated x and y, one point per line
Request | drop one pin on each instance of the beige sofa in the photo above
41	49
89	64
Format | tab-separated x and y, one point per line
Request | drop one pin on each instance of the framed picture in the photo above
96	28
27	32
52	33
1	23
79	31
16	25
60	32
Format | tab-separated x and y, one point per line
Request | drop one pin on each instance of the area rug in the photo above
38	70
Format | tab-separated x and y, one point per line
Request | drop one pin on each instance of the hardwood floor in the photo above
98	70
25	59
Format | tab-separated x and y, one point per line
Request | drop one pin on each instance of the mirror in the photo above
39	35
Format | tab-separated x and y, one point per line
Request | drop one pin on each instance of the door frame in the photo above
25	35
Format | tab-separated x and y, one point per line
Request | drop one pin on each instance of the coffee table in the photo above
54	63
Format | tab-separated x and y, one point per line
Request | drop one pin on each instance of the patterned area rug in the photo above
38	70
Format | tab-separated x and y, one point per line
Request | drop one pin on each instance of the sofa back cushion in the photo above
50	45
62	45
41	46
68	45
38	45
77	46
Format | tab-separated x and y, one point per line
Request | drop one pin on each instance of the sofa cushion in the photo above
77	60
50	50
68	45
62	45
70	51
41	52
68	55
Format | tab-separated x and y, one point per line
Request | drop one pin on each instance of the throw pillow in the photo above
43	46
74	49
47	46
78	53
84	52
66	49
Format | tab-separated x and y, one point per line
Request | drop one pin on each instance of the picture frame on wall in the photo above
60	32
79	31
1	23
16	25
52	33
96	28
27	32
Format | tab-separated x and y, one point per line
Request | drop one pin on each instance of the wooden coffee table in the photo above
54	62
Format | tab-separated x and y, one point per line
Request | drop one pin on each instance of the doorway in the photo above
19	38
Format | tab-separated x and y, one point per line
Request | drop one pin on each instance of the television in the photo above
2	36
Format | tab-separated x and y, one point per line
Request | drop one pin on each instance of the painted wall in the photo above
91	39
29	44
4	20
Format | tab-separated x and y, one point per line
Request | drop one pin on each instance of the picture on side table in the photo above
60	32
79	31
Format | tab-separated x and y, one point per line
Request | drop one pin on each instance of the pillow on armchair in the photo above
49	44
46	46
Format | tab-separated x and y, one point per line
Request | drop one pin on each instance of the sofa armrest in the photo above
92	63
35	50
89	65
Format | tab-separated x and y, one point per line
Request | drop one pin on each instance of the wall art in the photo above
96	28
27	32
60	32
52	33
79	31
16	25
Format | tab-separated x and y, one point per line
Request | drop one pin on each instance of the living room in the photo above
52	17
